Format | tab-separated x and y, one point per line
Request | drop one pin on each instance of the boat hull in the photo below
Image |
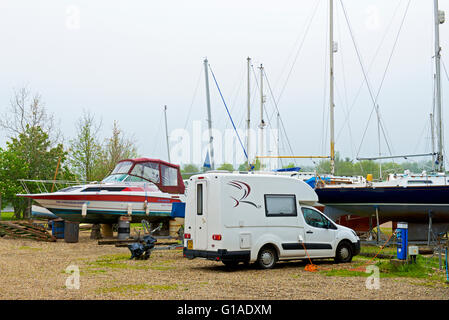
108	208
412	204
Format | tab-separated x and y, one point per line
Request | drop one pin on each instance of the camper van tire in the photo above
267	257
343	253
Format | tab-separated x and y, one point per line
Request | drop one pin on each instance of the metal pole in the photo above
166	133
378	139
378	225
432	134
277	142
438	87
293	157
209	116
262	122
331	86
248	118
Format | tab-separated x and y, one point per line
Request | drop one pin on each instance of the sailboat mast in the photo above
209	116
439	18
262	122
248	118
331	86
278	139
166	133
378	141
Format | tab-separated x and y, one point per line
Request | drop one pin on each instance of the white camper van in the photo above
232	217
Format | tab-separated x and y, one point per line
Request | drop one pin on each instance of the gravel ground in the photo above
37	270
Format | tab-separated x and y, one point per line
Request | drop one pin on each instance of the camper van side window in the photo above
277	205
315	219
199	199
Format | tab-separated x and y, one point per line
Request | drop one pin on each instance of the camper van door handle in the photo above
309	232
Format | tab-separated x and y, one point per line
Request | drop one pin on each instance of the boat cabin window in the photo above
69	189
280	205
144	172
419	181
147	170
98	189
122	167
169	176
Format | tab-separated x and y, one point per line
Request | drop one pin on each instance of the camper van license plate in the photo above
190	244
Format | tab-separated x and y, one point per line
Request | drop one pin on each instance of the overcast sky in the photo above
125	60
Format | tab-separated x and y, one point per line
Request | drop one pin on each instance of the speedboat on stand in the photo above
142	189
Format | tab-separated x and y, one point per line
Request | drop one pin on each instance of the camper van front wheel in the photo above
267	258
343	252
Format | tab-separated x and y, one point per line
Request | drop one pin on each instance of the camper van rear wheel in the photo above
343	252
267	258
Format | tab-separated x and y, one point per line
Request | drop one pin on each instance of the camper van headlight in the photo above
353	232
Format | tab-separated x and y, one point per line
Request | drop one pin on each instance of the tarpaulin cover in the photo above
312	181
295	169
178	209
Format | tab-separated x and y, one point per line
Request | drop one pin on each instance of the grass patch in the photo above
29	248
424	268
116	261
137	287
122	261
344	273
163	265
375	249
427	268
92	271
7	216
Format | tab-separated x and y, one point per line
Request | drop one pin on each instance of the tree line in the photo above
36	149
343	167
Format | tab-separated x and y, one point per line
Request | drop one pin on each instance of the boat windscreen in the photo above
147	170
115	178
135	179
122	167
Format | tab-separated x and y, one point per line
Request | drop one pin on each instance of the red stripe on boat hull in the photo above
120	198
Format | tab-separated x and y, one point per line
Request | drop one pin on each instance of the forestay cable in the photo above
227	110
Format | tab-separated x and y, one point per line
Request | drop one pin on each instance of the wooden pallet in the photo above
25	230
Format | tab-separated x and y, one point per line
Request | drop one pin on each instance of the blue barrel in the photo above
71	231
57	228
